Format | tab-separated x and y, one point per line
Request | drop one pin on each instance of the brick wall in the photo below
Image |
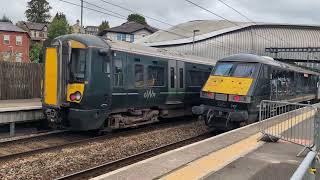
13	48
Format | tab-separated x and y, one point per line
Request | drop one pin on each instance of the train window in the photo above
223	69
138	73
155	76
118	73
181	78
172	78
106	66
197	78
244	70
77	65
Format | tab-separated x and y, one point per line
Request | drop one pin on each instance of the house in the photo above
129	31
37	31
14	43
93	30
76	28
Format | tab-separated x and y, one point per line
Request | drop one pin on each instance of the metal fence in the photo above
295	123
291	122
20	80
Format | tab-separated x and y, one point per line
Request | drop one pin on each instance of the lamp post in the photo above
193	39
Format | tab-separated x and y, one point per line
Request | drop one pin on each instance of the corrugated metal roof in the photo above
7	26
183	33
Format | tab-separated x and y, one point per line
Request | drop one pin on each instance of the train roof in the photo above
157	52
95	41
265	60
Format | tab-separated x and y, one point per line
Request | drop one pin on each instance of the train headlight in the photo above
75	96
78	95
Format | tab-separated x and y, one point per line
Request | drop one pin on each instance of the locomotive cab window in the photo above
223	69
155	76
244	70
138	74
78	65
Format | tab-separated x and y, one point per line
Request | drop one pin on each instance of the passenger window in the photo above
155	76
172	77
197	78
181	77
138	73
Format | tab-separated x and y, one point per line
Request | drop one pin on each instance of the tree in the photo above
38	11
5	19
35	52
104	25
60	16
137	18
59	26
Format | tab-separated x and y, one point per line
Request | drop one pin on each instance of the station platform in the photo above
236	154
17	111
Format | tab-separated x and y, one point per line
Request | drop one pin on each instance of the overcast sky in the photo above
178	11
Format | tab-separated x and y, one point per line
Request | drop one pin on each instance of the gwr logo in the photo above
149	94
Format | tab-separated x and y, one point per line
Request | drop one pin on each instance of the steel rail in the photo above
113	165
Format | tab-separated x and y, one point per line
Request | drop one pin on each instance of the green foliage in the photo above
60	16
38	11
59	26
5	19
35	52
137	18
104	25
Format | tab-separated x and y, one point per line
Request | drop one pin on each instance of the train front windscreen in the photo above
235	69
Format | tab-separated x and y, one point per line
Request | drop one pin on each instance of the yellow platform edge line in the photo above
218	159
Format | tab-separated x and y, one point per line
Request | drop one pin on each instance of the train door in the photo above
180	80
119	71
173	90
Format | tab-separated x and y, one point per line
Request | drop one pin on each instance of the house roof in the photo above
34	26
129	27
7	26
91	27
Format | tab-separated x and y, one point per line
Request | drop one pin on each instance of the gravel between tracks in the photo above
50	165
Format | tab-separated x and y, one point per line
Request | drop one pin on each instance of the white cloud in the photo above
178	11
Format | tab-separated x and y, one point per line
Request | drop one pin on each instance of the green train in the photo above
95	84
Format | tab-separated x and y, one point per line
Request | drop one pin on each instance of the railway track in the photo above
53	141
38	143
113	165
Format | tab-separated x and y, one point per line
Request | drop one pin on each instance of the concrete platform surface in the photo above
20	104
271	161
232	155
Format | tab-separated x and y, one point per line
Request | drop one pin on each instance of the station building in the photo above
216	39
